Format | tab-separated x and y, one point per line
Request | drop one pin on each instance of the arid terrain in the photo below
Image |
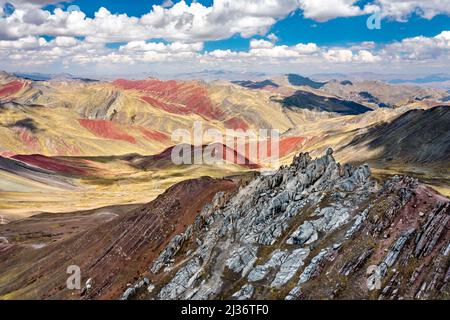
357	206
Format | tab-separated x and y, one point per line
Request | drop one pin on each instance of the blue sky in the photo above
294	28
257	34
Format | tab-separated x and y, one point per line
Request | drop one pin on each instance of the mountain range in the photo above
86	177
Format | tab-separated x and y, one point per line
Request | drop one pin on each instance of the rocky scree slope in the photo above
314	229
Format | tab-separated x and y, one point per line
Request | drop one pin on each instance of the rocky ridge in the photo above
314	229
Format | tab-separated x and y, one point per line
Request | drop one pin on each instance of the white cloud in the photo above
401	9
221	54
27	43
167	4
159	47
180	22
272	37
420	49
222	20
195	22
66	41
350	56
324	10
80	40
308	48
366	56
260	54
339	55
275	52
29	3
261	44
264	52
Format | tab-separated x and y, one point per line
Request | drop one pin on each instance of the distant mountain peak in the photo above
298	80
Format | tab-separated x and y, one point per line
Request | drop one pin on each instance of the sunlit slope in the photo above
93	119
61	131
254	108
34	184
123	129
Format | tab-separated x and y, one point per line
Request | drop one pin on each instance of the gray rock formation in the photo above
305	234
171	250
260	272
245	293
289	267
242	259
261	237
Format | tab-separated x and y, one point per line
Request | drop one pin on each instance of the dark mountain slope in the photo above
311	101
256	84
417	136
297	80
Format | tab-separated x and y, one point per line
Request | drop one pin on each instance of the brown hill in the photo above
112	254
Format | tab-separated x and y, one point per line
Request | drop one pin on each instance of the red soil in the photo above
236	155
290	144
164	158
154	135
11	88
7	154
237	158
106	129
64	148
27	138
53	164
171	108
174	97
285	147
236	124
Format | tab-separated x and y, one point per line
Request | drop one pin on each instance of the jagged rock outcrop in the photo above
435	227
314	229
171	250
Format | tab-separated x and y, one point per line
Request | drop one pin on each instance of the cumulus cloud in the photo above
349	56
221	20
339	55
195	22
77	39
324	10
158	51
261	53
420	49
366	56
272	37
261	50
20	3
35	2
402	9
308	48
178	22
167	3
261	44
26	43
66	41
